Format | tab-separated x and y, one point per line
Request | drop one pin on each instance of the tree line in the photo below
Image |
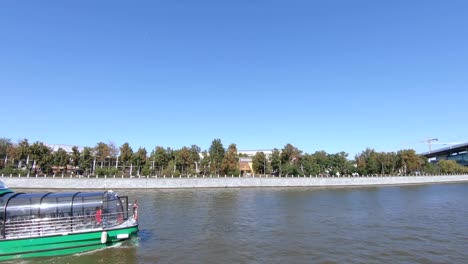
108	159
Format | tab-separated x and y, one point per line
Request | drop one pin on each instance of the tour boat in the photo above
51	224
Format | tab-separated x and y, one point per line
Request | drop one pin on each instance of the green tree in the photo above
113	154
290	154
12	155
320	158
146	170
388	162
18	153
409	161
451	166
195	158
75	157
184	160
259	163
392	162
381	159
42	155
170	169
431	168
24	149
276	162
216	156
367	162
102	152
5	144
291	169
230	163
106	171
161	158
290	160
139	158
86	160
126	154
113	149
205	163
338	163
61	158
310	165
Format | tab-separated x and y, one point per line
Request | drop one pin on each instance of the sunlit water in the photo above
407	224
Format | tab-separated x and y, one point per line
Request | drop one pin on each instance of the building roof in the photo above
446	151
252	153
67	148
245	166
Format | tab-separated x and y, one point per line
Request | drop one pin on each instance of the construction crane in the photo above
429	142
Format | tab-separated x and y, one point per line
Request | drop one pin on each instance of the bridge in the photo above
458	152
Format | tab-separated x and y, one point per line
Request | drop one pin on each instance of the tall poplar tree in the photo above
259	163
75	156
139	158
216	155
102	151
230	163
86	159
276	162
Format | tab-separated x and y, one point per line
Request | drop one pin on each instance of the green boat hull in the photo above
62	244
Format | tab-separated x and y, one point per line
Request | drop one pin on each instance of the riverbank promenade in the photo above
59	182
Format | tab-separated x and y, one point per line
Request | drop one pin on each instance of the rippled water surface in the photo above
407	224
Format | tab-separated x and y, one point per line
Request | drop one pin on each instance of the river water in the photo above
394	224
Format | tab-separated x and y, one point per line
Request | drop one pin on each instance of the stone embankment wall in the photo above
222	182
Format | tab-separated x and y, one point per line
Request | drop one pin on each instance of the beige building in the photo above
245	163
245	166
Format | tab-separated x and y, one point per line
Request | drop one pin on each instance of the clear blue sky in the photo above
322	75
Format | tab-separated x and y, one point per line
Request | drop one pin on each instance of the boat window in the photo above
84	204
56	205
23	207
124	203
3	200
113	209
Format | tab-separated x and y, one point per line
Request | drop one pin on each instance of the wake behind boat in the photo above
49	224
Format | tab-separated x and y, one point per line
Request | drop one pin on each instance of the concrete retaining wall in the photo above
162	183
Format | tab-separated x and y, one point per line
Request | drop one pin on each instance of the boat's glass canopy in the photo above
40	205
79	208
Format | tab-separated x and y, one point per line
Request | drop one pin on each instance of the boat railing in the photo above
32	227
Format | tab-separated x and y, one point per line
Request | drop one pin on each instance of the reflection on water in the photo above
408	224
